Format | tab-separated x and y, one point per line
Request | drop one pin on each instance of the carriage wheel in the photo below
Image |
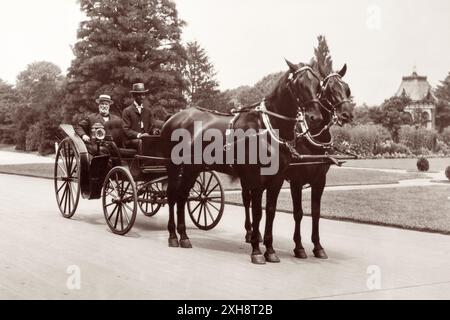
206	201
148	200
66	177
119	200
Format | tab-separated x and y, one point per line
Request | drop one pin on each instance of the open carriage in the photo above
125	179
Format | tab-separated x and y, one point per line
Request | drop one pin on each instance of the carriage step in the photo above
154	169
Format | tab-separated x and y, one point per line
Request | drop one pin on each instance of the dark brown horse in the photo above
335	95
294	96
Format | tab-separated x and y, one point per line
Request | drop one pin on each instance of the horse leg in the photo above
256	198
296	195
246	200
316	196
271	207
172	182
189	178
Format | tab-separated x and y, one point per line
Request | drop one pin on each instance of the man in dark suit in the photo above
137	118
111	123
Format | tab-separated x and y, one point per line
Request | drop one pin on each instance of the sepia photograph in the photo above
225	155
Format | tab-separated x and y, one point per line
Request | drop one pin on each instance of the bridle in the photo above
300	118
331	109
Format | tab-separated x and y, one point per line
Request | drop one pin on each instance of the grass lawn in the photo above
43	170
436	164
342	177
336	176
416	208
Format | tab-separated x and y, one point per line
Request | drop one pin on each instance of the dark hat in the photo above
138	88
104	97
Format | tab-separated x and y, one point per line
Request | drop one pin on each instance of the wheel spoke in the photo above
126	214
112	213
209	212
62	168
209	181
65	200
199	203
208	193
62	197
117	216
204	214
200	213
121	219
211	204
62	185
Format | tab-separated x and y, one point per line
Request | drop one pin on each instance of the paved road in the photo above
38	246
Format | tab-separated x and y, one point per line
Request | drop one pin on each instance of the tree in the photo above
38	83
361	115
322	58
200	74
442	94
123	42
40	89
391	114
8	102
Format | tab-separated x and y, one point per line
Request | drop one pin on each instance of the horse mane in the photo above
277	87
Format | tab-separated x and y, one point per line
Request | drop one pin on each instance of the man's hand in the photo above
86	138
140	135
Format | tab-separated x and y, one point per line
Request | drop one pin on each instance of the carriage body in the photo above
125	179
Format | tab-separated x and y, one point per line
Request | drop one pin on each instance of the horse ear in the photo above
292	67
343	71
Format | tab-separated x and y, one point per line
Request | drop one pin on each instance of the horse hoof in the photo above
300	253
173	243
271	257
185	243
258	259
320	254
248	238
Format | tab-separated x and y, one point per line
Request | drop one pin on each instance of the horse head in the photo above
295	97
336	95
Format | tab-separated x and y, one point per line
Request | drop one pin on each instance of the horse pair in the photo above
298	98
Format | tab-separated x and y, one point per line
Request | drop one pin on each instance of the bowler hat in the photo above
138	88
104	97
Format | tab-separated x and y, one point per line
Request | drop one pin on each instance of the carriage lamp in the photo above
98	132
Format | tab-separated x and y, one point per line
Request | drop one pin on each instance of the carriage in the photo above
126	179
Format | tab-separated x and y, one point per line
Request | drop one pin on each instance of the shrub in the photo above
442	148
445	135
423	164
33	136
447	172
418	139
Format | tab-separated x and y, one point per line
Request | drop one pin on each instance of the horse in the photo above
335	94
294	96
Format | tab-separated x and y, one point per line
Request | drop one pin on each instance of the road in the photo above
41	253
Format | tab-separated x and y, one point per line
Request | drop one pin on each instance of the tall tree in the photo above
442	93
200	75
322	58
127	41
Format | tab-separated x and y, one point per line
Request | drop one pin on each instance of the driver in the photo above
109	121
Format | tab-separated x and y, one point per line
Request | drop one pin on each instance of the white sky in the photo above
247	39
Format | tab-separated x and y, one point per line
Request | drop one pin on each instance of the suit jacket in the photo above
85	125
132	121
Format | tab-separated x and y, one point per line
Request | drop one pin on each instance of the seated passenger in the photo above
111	123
